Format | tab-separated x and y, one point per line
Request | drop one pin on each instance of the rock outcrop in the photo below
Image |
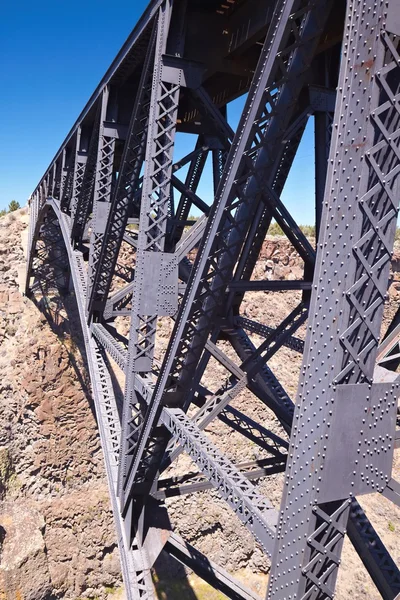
56	530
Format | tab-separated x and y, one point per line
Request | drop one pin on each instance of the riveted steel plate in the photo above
101	210
322	99
360	440
393	18
158	272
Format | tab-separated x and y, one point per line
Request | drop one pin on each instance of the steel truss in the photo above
110	219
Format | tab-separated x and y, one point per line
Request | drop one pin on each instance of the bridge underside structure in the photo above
110	221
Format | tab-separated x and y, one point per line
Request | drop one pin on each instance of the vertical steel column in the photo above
63	174
34	207
79	171
322	139
333	453
102	192
83	202
155	270
53	175
67	178
46	187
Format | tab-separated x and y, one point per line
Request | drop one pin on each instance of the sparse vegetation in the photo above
391	527
111	590
9	481
13	205
308	230
274	229
5	466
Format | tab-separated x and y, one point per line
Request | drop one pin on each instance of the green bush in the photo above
274	229
14	205
308	230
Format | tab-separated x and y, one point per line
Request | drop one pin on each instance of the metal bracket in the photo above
182	72
322	99
102	212
115	130
359	440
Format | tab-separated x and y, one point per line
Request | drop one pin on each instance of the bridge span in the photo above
111	221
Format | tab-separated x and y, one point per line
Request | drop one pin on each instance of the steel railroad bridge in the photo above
115	187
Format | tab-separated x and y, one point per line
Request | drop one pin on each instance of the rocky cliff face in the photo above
56	532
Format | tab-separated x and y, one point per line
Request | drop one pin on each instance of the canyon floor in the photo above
56	532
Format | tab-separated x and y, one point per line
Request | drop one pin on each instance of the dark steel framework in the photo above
114	185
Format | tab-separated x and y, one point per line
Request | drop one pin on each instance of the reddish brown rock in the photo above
56	530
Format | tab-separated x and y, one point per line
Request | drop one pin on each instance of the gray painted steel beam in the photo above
151	257
250	507
196	482
126	187
294	343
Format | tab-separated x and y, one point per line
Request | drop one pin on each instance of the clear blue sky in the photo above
52	56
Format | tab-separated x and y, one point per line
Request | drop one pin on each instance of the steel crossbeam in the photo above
193	177
196	482
249	506
207	569
112	220
263	330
